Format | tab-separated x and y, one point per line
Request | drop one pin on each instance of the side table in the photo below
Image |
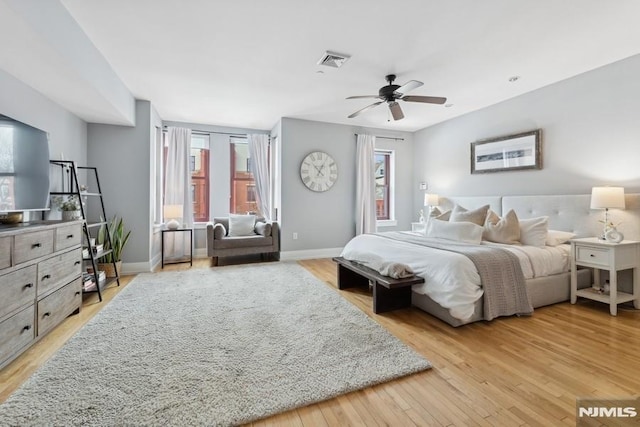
602	255
181	260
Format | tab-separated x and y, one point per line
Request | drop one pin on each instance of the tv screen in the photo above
24	167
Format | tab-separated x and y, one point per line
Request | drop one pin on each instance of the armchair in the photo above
264	240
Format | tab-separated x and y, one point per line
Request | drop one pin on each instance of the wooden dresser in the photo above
40	281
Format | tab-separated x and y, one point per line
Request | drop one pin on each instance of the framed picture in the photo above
507	153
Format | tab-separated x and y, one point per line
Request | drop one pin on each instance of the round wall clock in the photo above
318	171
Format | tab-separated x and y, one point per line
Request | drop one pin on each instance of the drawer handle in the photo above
26	328
35	245
28	285
47	314
592	255
76	263
78	293
69	236
46	276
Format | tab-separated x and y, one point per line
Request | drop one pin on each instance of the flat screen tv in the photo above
24	167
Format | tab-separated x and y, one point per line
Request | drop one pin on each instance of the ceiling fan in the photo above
390	93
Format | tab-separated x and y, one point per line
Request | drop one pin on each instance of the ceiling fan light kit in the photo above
392	92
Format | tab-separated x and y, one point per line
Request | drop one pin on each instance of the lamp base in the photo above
173	224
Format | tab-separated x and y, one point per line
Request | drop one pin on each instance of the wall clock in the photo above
319	171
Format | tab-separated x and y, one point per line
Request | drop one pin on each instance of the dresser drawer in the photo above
54	308
58	270
592	256
17	288
29	246
5	252
16	332
68	236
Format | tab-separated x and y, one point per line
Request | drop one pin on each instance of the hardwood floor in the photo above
512	372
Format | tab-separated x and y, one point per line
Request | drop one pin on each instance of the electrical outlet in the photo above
295	236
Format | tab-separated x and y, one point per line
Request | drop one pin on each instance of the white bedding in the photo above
451	279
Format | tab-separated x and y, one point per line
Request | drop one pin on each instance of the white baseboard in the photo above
310	254
136	267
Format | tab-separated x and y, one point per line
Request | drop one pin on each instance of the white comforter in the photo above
451	279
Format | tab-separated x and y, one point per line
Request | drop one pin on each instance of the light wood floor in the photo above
511	372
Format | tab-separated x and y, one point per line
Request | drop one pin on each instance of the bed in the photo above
452	290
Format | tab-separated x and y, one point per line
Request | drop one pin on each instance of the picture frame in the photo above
507	153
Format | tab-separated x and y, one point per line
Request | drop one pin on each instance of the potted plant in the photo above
69	206
119	238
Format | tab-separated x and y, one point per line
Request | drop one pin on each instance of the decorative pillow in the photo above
444	216
263	228
476	216
219	231
557	237
466	232
533	231
241	225
502	230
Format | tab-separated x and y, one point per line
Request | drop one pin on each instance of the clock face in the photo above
319	171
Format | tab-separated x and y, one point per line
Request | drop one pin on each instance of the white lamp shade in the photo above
431	199
607	197
172	211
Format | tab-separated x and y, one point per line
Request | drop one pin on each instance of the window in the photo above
199	165
199	168
384	180
243	185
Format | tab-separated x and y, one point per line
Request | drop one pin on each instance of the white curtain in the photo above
178	188
259	165
365	184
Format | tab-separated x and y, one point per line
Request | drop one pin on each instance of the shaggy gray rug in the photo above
211	347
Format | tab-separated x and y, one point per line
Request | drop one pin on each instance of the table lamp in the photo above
431	200
607	198
172	213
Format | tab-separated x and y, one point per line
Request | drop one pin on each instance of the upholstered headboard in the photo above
565	212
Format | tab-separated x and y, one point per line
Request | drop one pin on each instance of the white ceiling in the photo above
247	63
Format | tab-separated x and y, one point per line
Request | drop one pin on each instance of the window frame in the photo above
390	191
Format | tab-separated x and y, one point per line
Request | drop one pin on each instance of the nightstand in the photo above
602	255
419	226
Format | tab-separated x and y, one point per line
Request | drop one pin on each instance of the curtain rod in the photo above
238	134
385	137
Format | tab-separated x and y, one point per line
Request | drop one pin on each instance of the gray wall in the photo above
591	136
121	154
326	220
67	133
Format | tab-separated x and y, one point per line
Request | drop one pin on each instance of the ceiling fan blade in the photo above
410	85
396	111
364	96
427	99
368	107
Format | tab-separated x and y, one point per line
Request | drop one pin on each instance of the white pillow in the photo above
241	225
466	232
557	237
533	231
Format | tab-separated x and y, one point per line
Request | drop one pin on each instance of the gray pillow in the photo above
263	228
476	216
219	231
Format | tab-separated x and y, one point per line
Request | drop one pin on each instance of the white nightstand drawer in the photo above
592	255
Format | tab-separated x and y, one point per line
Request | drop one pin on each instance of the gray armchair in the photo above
264	241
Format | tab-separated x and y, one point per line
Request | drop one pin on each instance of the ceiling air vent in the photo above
332	59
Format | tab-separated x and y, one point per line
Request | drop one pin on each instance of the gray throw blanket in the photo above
505	291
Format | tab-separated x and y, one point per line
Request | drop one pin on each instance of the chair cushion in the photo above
263	228
231	242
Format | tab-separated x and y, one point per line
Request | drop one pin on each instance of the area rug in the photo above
218	346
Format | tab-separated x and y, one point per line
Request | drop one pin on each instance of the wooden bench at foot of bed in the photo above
388	293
